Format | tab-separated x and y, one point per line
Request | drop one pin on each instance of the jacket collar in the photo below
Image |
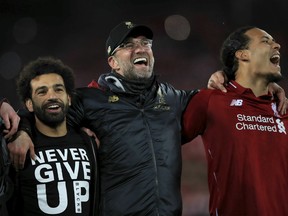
118	83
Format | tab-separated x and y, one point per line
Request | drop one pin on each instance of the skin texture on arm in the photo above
10	119
21	142
19	148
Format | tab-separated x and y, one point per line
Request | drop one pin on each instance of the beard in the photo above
134	74
273	78
51	119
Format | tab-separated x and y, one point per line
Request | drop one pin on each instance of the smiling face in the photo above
264	55
133	62
49	100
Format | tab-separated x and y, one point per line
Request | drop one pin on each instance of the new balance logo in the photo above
236	102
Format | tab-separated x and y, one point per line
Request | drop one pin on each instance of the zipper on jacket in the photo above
154	160
96	196
95	192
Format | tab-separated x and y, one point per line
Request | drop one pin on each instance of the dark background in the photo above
187	38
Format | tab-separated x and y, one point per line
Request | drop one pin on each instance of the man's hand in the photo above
91	134
19	148
217	81
276	90
10	118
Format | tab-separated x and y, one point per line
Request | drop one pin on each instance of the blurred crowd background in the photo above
187	37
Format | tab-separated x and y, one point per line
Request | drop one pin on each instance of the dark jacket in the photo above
140	144
6	186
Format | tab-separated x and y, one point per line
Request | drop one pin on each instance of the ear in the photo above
29	105
112	61
69	100
242	55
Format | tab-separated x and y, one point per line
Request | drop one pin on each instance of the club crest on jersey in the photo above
274	108
113	99
236	102
161	105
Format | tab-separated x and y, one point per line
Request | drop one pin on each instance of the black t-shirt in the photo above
58	181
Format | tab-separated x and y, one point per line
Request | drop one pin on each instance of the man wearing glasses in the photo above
138	122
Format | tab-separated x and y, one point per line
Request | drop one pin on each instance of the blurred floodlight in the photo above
25	29
177	27
10	65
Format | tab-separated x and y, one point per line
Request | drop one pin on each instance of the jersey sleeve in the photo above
195	115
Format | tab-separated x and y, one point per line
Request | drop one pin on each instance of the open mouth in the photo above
53	107
140	61
275	59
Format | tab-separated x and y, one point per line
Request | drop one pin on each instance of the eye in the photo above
128	45
41	92
145	43
268	40
59	89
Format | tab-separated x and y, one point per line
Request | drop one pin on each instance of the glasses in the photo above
131	45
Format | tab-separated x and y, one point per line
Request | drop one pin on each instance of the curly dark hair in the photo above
237	40
40	66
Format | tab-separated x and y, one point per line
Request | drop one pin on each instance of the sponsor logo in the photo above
260	123
161	104
236	102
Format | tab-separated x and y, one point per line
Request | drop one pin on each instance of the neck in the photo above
257	85
136	86
58	131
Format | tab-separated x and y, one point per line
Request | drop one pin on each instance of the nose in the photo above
138	47
276	46
52	94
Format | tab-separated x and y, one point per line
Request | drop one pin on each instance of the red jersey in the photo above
246	146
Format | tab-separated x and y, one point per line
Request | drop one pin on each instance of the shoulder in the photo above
86	92
207	93
170	89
